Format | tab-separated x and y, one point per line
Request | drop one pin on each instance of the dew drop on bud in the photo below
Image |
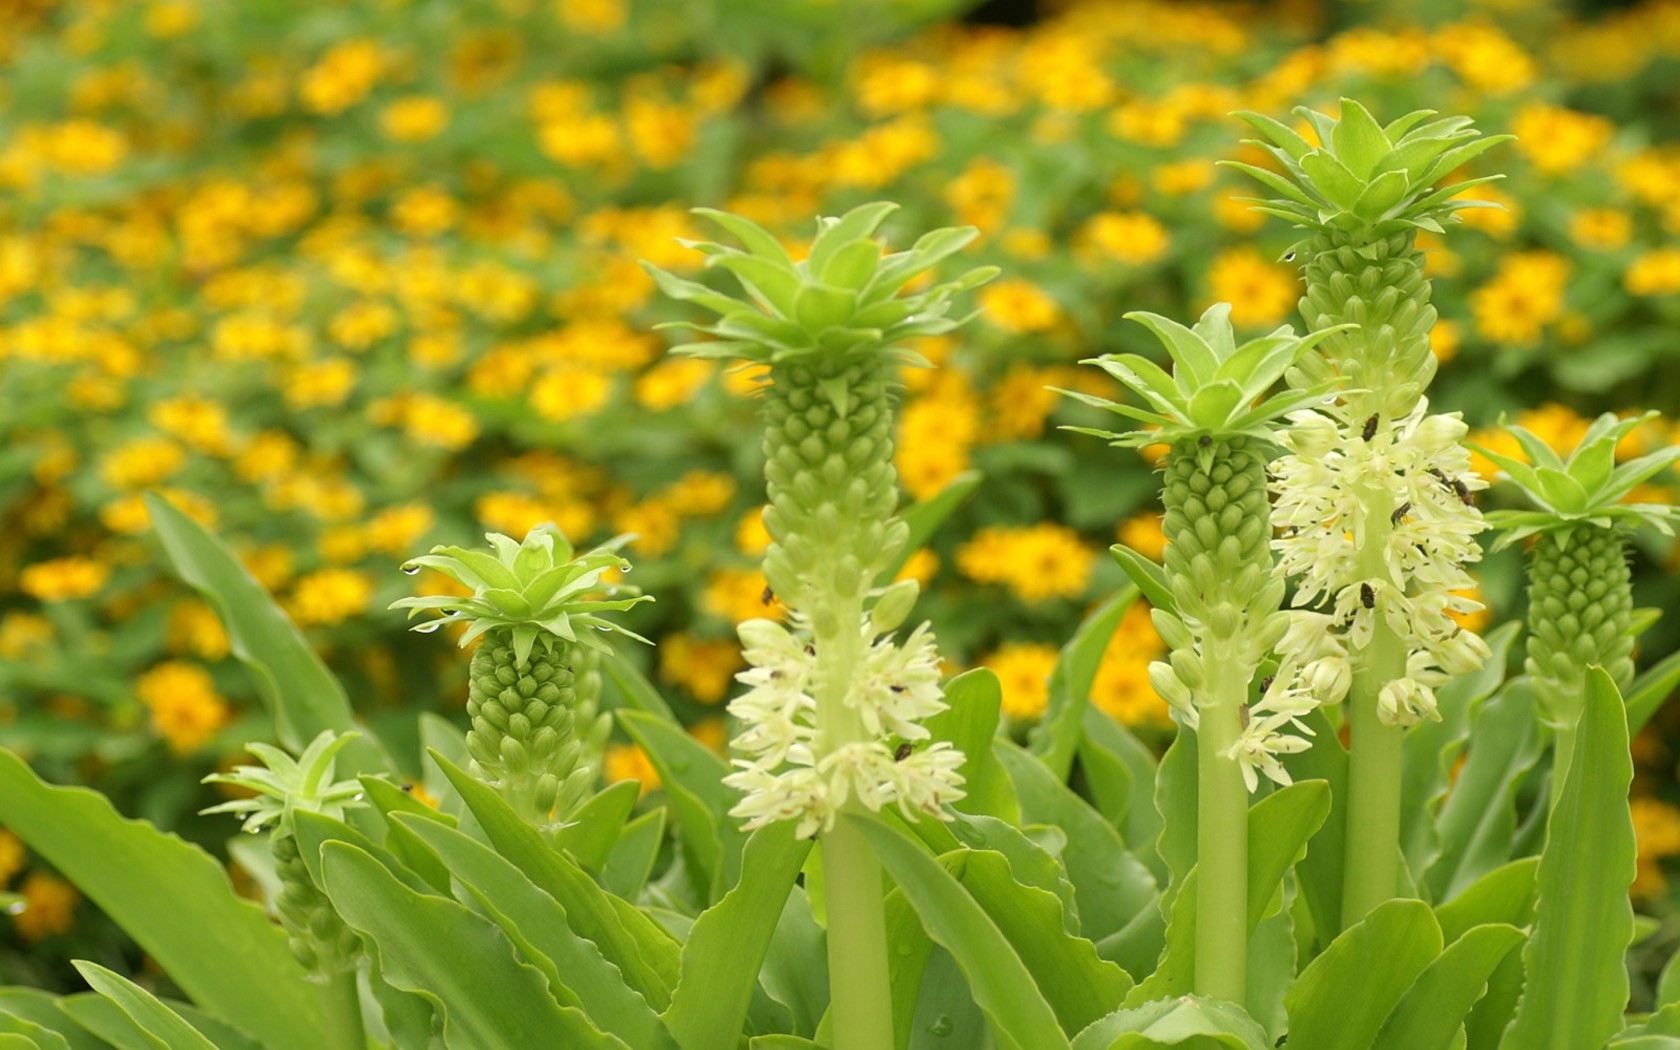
411	570
428	627
602	627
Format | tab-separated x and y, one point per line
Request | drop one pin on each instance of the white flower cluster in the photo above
1416	473
789	774
1281	706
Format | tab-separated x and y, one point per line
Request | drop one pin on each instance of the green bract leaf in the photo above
1342	998
164	1028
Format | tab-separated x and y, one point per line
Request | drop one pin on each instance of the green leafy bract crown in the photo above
843	298
1367	178
1216	388
284	784
1585	488
534	589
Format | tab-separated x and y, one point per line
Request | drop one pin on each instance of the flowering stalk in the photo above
328	948
832	720
536	606
1580	595
1213	414
1374	497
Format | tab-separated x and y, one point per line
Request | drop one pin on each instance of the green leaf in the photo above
537	924
1650	690
924	518
41	1009
725	949
1577	981
795	970
969	723
172	898
1332	178
1079	986
1120	770
633	689
631	860
94	1013
592	830
1194	362
1279	828
164	1028
999	981
1320	873
1479	820
692	776
301	694
640	948
1504	896
1430	1015
460	962
1147	575
1343	997
836	235
1383	193
35	1036
1358	139
1172	1022
1055	739
1110	885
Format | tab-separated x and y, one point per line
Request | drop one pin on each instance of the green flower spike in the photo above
534	604
1580	594
1363	195
319	938
830	694
1214	413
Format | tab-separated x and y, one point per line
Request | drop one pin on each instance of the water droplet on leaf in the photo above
428	627
941	1025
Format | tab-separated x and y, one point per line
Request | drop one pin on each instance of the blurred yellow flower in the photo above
49	907
1557	140
704	667
1018	306
623	762
63	578
1654	273
1133	238
329	596
1023	670
414	118
1036	562
185	707
1260	292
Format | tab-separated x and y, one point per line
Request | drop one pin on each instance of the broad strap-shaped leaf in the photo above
1577	983
724	951
172	898
692	776
461	962
633	855
1650	690
1433	747
164	1028
642	950
925	517
631	689
41	1009
34	1036
1001	984
1110	885
594	827
1173	1022
1148	576
1429	1016
795	970
1478	819
1343	997
1055	739
969	723
1080	986
301	694
537	925
1119	770
1320	872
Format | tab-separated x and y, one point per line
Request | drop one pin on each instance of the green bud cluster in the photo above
1218	557
524	725
281	786
1379	288
1580	613
318	938
537	606
833	490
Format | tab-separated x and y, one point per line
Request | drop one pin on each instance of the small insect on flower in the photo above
1367	596
1400	512
768	596
1370	430
903	751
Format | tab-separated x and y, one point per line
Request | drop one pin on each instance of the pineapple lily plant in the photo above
880	863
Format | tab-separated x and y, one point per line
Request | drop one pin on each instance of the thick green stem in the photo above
1221	837
341	1013
1371	869
860	999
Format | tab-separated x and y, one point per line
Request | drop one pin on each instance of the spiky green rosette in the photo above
319	939
1362	195
537	608
1580	599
